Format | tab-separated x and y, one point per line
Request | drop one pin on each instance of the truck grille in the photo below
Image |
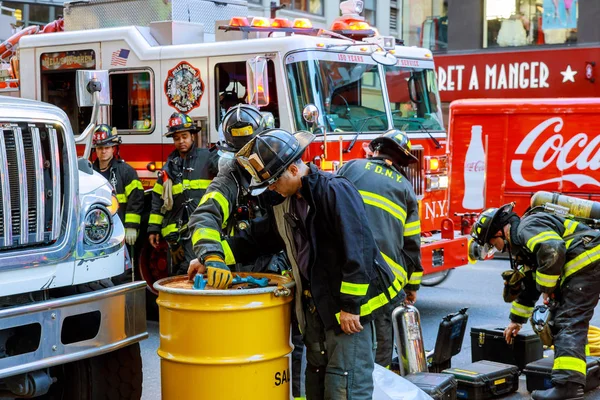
415	172
31	188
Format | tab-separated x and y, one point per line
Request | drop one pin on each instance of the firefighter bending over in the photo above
564	256
178	190
393	214
123	178
225	207
341	279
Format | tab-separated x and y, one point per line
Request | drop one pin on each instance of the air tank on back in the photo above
567	205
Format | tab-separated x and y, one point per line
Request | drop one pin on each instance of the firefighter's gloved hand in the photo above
218	273
130	236
177	253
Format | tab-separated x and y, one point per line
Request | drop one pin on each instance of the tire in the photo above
435	278
113	376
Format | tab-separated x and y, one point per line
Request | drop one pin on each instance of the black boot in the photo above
569	391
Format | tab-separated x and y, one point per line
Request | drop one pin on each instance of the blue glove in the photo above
218	273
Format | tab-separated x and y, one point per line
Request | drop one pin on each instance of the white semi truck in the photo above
65	330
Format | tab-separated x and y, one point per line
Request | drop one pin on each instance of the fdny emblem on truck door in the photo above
184	87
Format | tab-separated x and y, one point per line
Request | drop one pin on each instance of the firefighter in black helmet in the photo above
178	190
226	207
393	213
341	279
129	189
564	256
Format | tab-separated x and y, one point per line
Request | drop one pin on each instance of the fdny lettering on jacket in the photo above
378	169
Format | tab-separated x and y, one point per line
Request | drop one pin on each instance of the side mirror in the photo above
310	113
90	81
258	81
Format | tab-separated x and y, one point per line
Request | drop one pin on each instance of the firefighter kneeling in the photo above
553	247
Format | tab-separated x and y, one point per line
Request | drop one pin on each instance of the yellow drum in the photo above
225	344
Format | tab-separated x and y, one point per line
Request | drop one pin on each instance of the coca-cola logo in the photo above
556	155
475	166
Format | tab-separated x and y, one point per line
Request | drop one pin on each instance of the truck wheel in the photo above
435	278
112	376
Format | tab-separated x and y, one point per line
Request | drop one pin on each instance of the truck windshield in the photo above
414	96
346	89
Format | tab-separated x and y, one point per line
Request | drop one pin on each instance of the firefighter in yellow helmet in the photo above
123	178
178	190
393	214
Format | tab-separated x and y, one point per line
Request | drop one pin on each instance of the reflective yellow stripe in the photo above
354	289
155	219
158	188
219	198
177	189
397	269
412	228
133	218
521	310
588	352
206	233
121	198
229	258
415	278
568	243
374	303
546	280
570	226
381	202
196	183
135	184
171	228
542	237
582	260
571	364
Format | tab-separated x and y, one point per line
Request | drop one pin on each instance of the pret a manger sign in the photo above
556	155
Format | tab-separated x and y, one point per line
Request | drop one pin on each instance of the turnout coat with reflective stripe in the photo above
393	213
129	190
212	216
347	272
555	248
190	177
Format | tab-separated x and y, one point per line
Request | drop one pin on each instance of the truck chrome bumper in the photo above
122	322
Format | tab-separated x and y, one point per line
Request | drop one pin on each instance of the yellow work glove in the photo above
218	273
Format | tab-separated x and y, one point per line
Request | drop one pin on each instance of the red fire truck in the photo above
361	84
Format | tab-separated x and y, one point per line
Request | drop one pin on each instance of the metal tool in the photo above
251	281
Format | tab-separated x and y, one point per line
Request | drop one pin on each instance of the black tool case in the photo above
539	372
485	380
488	343
449	340
438	386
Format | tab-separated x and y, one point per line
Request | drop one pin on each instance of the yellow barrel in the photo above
225	344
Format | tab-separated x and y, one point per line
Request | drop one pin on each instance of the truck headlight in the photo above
97	225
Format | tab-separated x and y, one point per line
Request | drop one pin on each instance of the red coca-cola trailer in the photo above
504	150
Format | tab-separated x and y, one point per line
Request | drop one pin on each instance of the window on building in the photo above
231	84
58	72
425	23
529	22
132	108
308	6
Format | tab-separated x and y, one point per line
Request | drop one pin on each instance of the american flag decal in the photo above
119	57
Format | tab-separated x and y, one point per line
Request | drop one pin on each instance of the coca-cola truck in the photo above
505	150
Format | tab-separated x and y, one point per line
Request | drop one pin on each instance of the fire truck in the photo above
346	84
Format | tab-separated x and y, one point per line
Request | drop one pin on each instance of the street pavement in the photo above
478	287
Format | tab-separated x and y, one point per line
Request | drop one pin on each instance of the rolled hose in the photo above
594	340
